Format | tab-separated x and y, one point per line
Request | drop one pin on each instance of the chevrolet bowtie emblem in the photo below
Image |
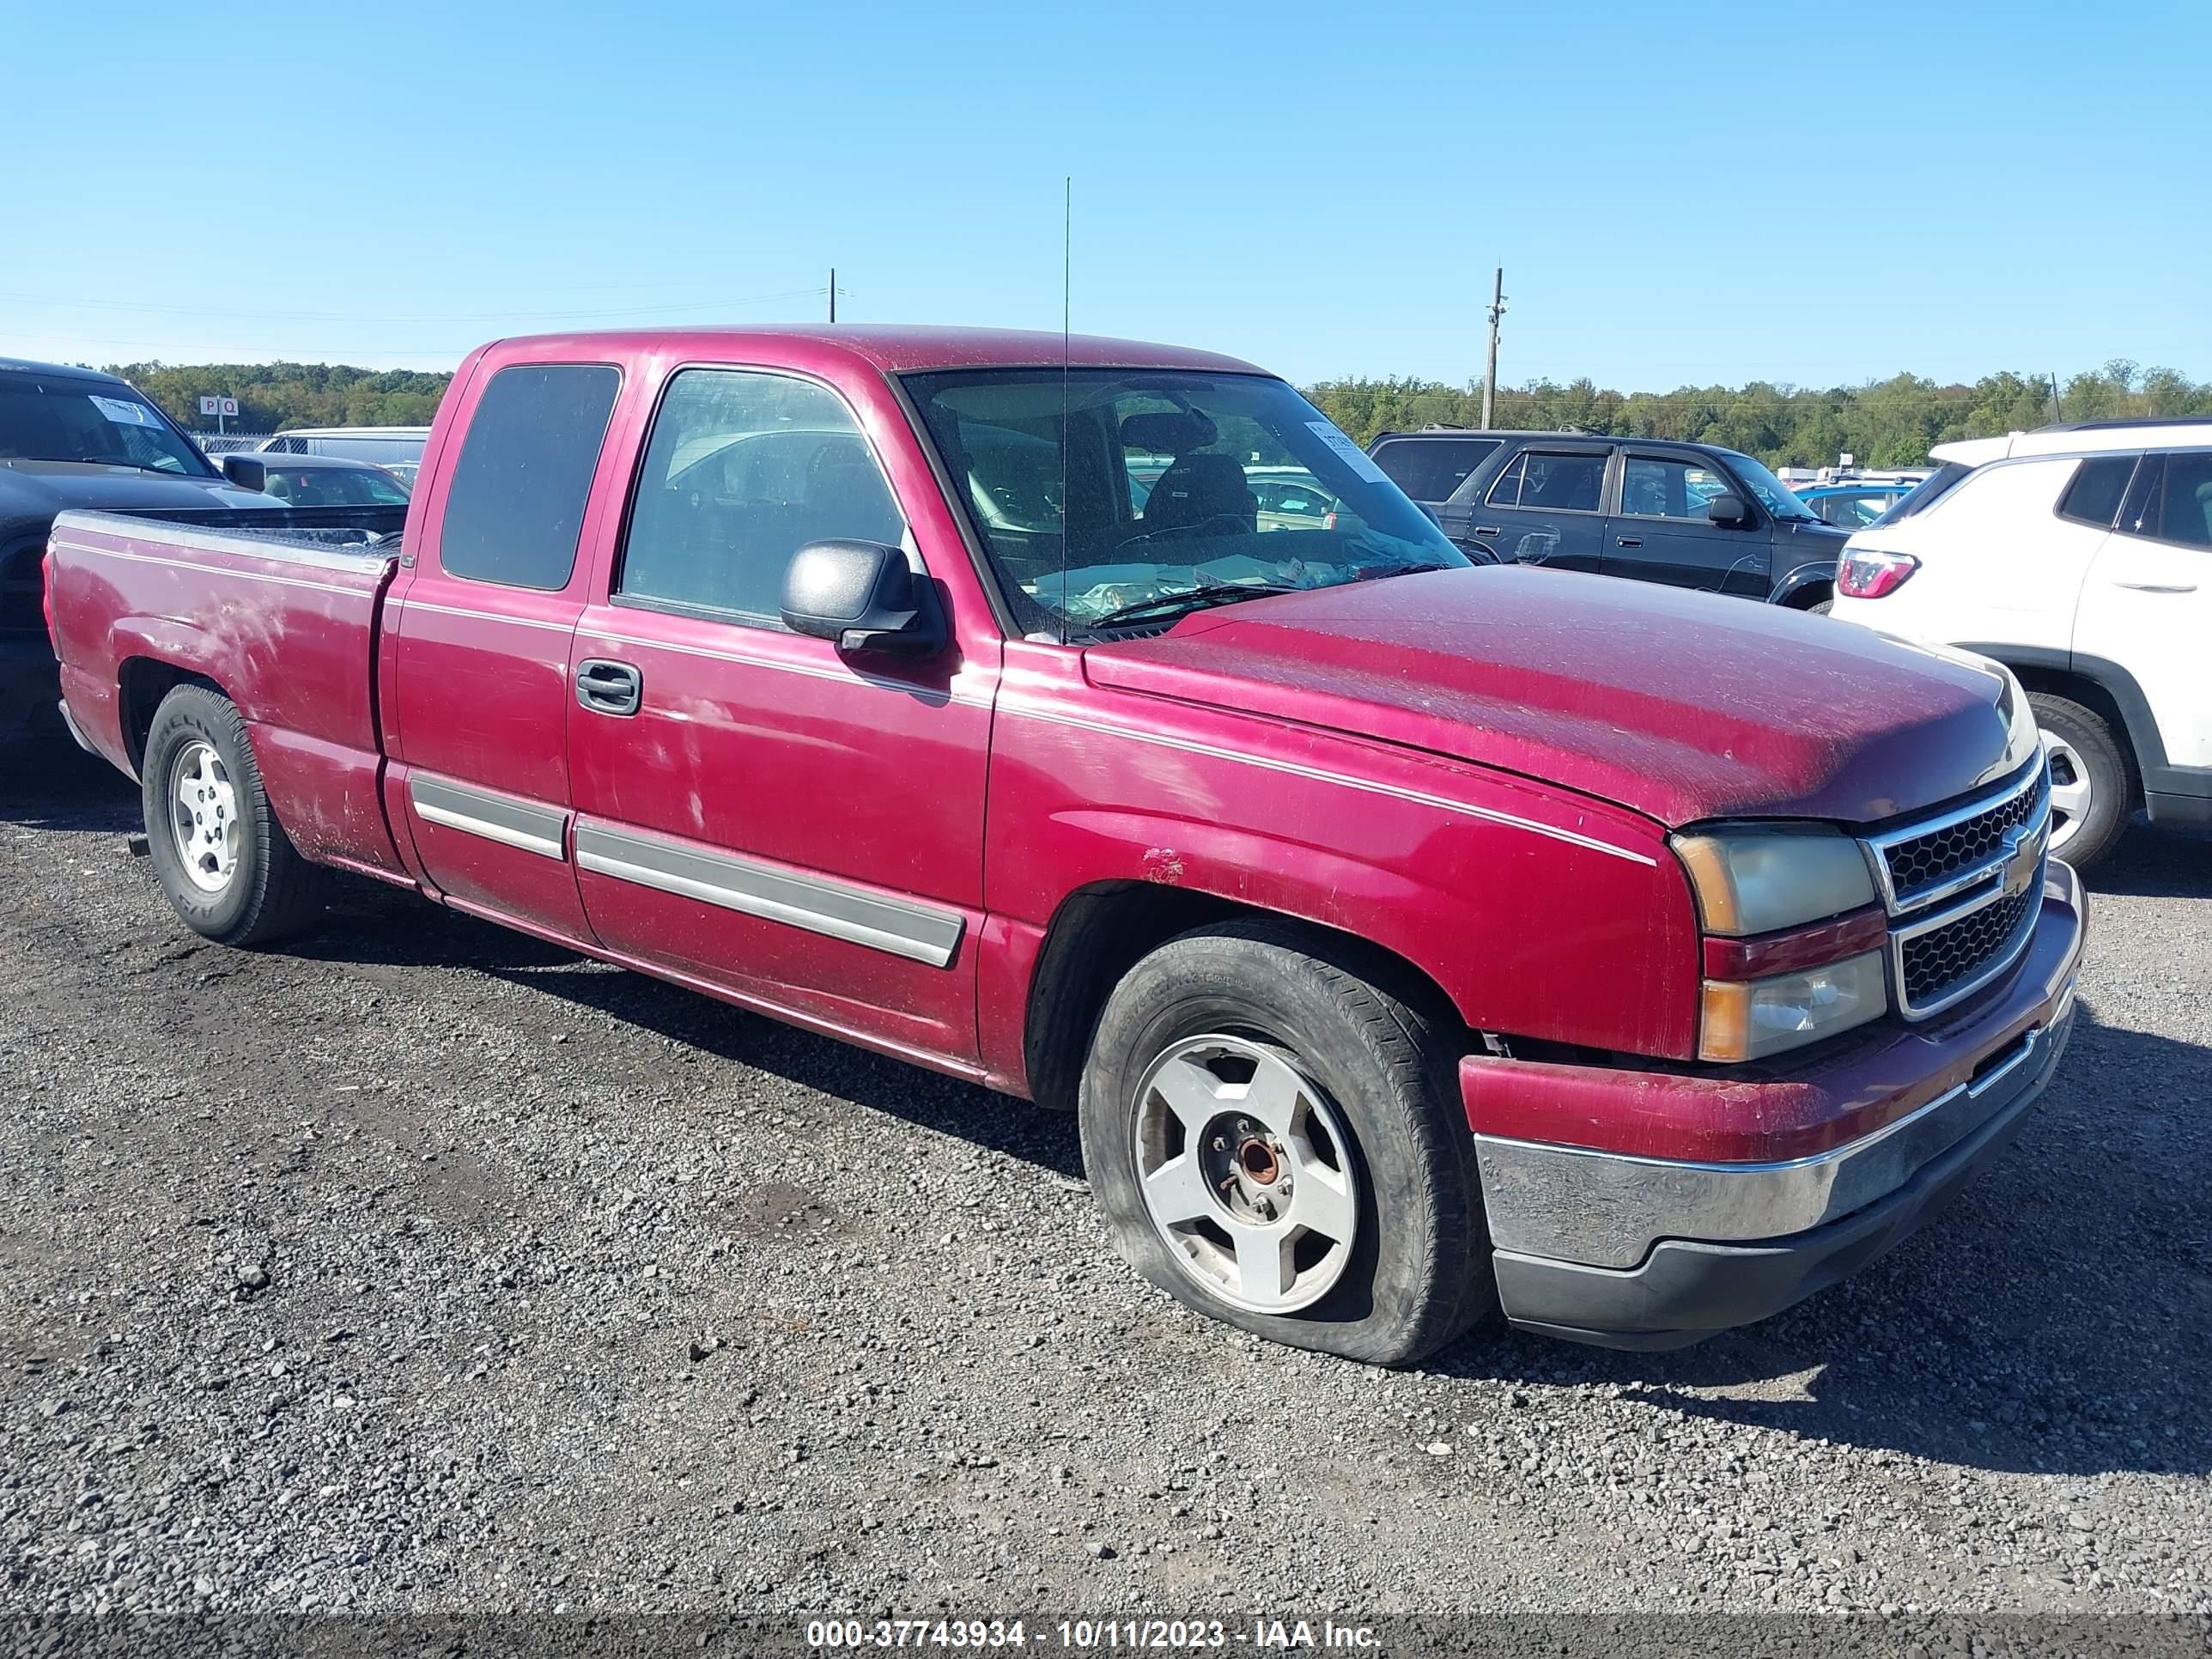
2023	856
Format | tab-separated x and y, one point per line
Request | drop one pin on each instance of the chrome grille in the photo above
1920	862
1963	889
1932	964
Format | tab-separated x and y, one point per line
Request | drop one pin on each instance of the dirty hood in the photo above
1680	705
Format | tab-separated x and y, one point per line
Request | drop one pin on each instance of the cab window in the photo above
515	508
745	468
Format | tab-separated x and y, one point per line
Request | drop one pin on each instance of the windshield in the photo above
334	486
61	418
1776	496
1174	483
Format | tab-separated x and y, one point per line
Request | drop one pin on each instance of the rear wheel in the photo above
224	862
2091	779
1272	1131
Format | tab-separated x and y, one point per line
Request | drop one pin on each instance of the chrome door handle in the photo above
1628	541
1488	530
2156	588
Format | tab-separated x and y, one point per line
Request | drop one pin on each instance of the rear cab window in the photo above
515	508
1432	469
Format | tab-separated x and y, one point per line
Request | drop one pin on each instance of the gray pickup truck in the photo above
76	438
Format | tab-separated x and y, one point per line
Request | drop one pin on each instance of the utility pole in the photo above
833	294
1489	374
2057	405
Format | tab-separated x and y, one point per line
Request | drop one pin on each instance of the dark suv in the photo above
1691	514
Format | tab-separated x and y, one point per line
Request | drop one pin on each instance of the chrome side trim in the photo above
1319	775
521	823
1607	1209
919	933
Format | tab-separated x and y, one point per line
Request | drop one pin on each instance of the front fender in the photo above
1538	912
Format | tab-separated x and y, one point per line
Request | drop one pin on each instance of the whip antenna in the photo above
1066	353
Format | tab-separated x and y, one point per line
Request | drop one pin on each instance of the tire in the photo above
225	864
1821	608
2093	779
1383	1152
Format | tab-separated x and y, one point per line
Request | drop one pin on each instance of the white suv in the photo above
2081	557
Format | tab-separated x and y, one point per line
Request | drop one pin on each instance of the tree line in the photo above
274	396
1889	423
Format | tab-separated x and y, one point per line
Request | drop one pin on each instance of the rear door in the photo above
1659	532
758	813
481	665
1545	507
2148	603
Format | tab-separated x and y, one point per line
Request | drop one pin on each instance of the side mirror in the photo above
246	471
865	596
1729	511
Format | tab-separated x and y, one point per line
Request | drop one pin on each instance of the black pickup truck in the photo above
74	438
1691	515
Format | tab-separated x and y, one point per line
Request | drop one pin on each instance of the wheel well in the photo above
142	682
2079	688
1808	596
1101	932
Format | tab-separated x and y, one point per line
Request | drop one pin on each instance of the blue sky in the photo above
1678	194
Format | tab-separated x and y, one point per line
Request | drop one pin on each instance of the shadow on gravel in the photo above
51	784
373	924
2051	1321
2157	861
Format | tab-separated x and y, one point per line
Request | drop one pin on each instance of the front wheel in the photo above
224	862
2092	782
1273	1130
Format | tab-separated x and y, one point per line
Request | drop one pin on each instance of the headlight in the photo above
1757	881
1747	1020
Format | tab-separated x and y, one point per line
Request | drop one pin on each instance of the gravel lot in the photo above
426	1268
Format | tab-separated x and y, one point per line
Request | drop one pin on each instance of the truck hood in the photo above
33	491
1680	706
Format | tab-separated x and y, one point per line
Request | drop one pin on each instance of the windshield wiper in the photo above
1196	599
108	461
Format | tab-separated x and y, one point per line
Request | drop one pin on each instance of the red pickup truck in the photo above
1412	938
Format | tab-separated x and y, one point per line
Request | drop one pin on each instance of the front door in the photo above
758	813
1661	533
1546	507
481	675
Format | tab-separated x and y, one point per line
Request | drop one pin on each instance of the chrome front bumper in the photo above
1608	1210
1628	1249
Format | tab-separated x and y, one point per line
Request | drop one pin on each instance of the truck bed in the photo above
280	611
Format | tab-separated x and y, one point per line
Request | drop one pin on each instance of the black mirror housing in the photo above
246	471
1729	511
865	596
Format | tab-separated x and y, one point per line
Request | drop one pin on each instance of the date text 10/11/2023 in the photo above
1083	1635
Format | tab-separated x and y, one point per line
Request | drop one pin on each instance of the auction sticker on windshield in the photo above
1353	456
122	411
